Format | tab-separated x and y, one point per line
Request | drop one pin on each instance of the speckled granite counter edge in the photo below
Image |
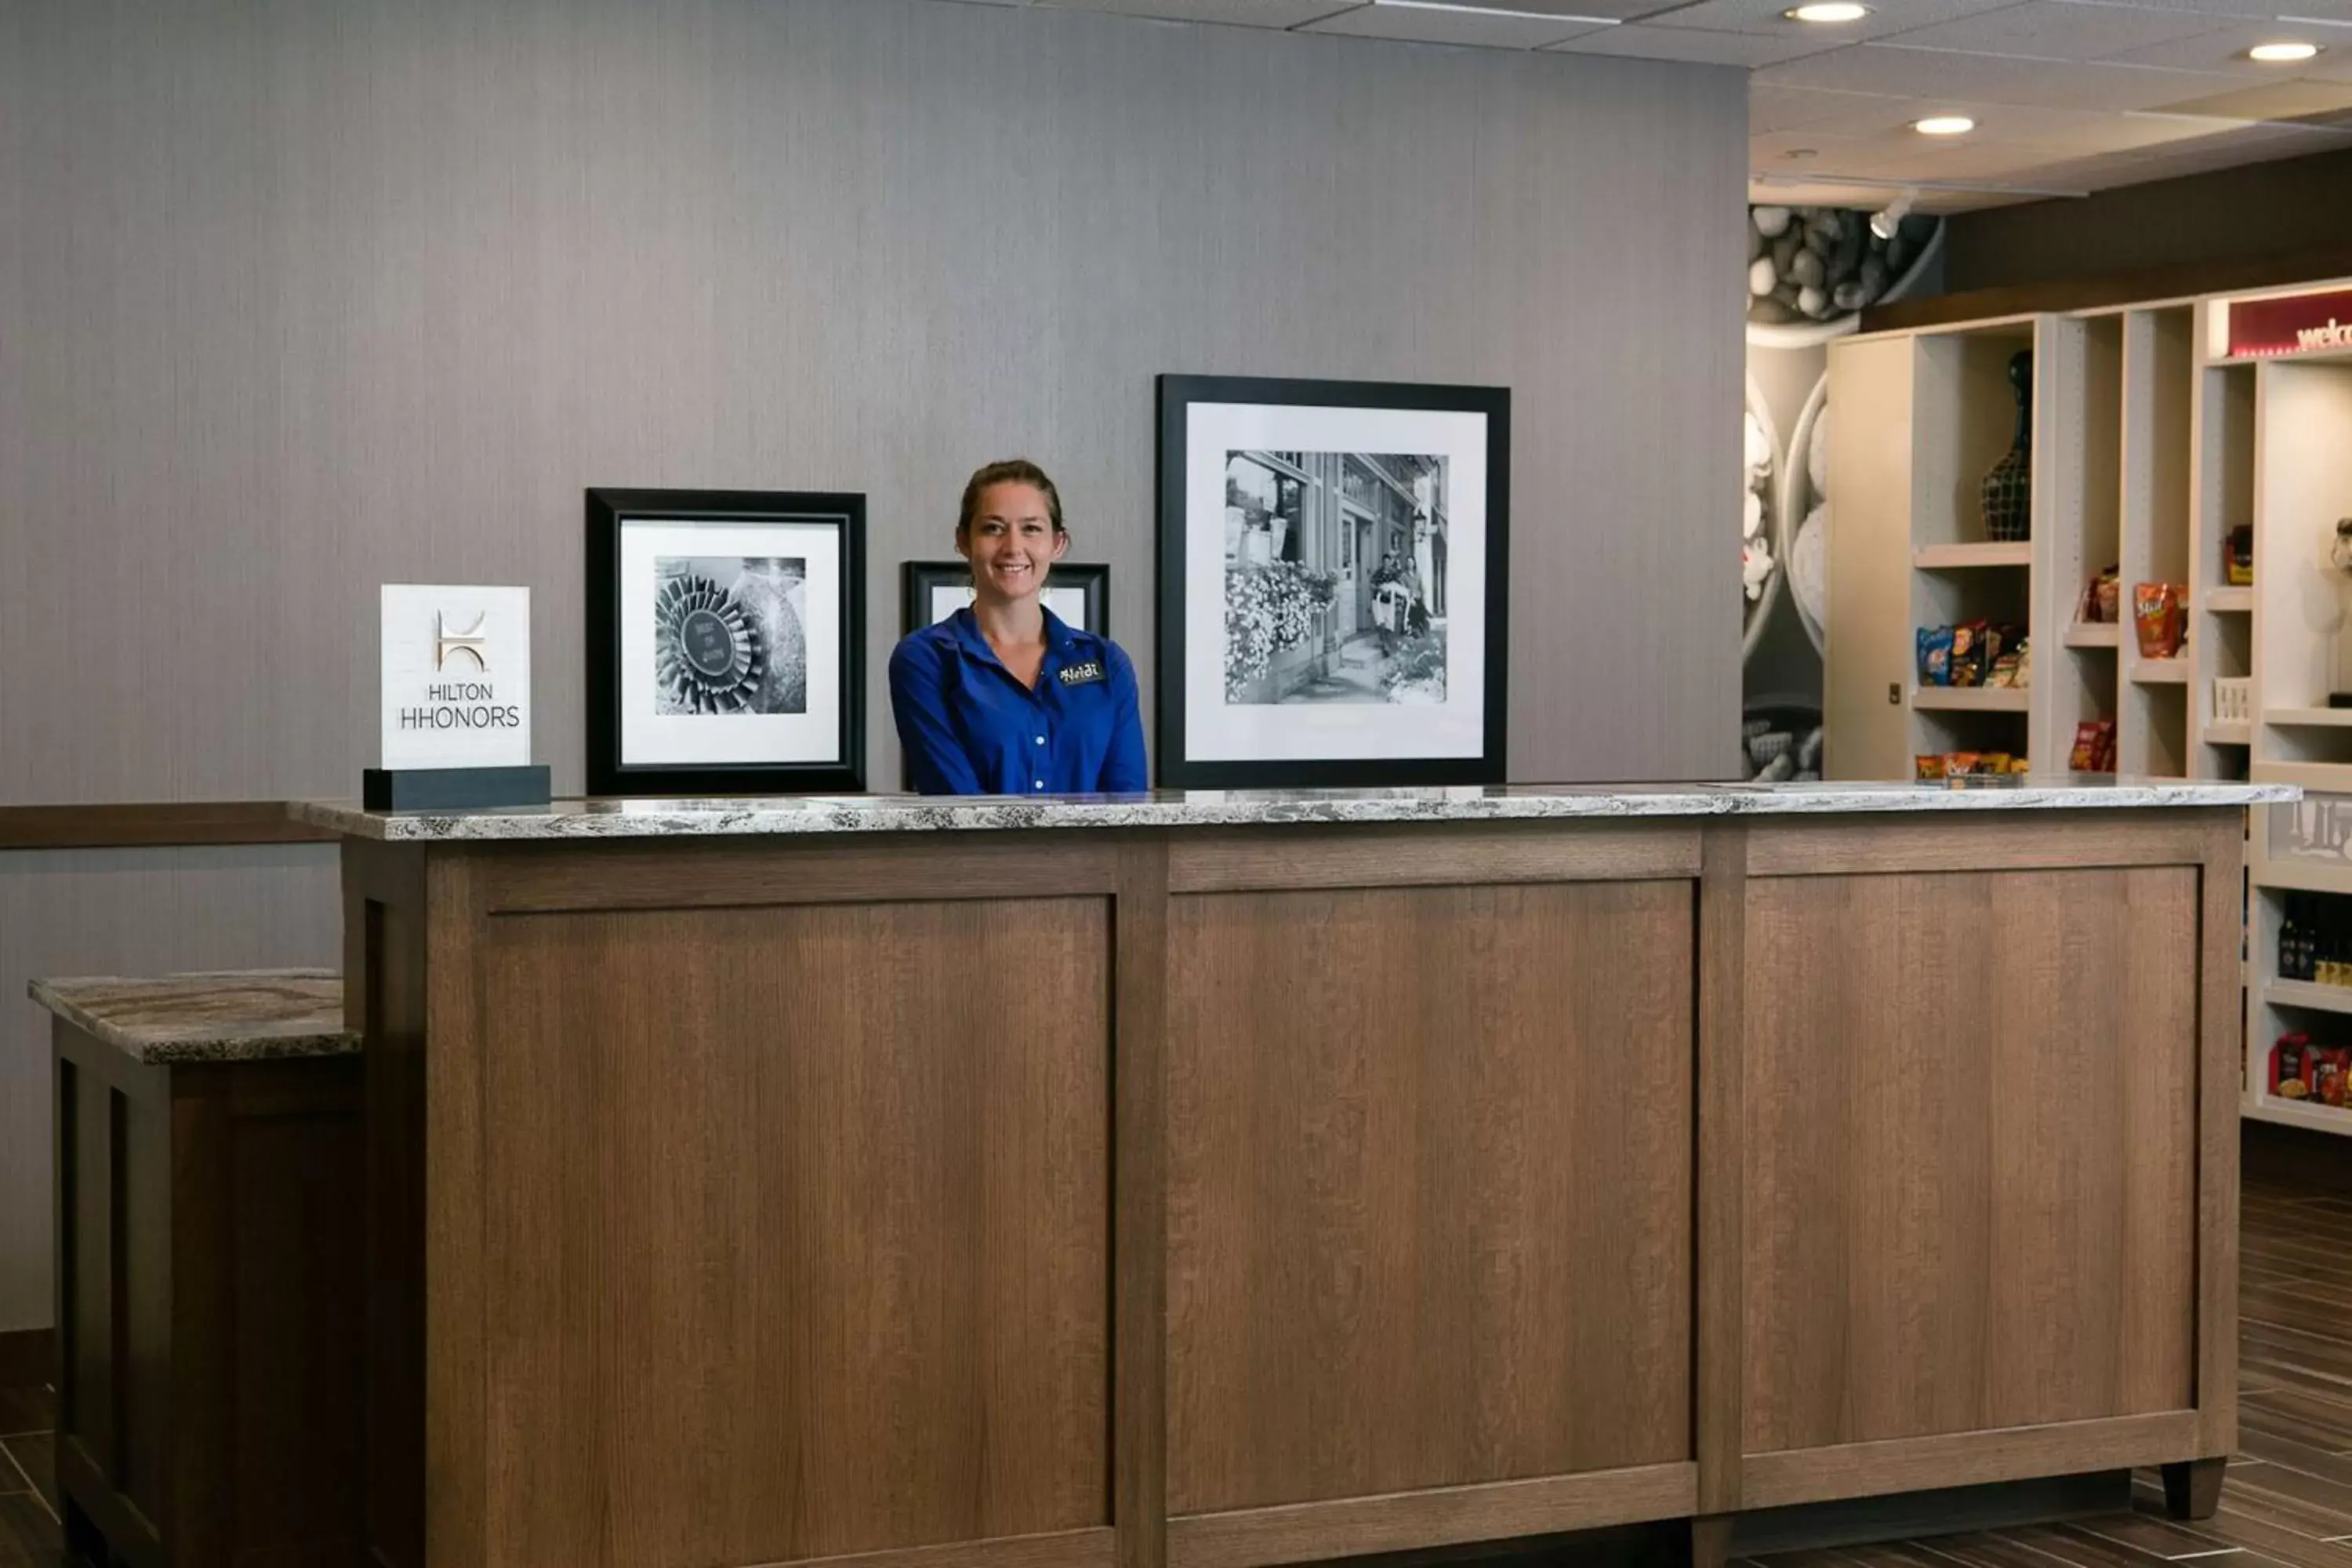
887	814
163	1046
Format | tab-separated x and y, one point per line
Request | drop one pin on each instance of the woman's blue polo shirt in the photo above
970	728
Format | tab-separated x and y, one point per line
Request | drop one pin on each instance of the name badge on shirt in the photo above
1087	674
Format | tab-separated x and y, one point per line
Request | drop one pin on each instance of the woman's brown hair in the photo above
1011	471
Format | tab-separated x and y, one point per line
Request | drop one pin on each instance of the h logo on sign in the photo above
470	642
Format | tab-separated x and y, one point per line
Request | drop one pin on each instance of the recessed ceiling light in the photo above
2282	52
1828	11
1944	125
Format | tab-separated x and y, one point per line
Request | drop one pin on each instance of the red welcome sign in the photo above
2297	325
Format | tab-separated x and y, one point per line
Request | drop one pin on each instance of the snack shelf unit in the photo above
2152	441
1927	413
2268	451
1924	416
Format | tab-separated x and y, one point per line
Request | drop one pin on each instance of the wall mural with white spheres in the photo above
1812	271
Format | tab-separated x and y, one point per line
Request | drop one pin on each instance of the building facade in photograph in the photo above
1336	566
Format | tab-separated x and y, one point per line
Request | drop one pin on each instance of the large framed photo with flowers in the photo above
725	642
1332	601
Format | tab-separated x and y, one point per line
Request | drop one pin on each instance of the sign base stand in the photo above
452	789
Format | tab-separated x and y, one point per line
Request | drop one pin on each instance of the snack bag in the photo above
2095	747
2105	591
1970	656
1930	767
2156	618
2290	1067
2238	555
2328	1069
1934	656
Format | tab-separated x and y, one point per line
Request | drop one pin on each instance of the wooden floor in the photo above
2288	1499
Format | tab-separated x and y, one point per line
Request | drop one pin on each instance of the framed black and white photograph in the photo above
1332	601
1079	593
725	642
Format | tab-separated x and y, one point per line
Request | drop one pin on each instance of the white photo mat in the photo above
1215	731
651	738
1070	604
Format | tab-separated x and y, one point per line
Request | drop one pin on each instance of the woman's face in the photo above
1011	542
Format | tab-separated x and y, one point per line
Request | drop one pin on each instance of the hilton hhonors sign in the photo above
456	678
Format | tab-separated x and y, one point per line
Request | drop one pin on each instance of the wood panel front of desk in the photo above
1226	1197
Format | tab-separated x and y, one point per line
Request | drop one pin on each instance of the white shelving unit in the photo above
2268	442
1970	699
2151	444
1941	412
2304	995
1965	557
2298	1113
2115	418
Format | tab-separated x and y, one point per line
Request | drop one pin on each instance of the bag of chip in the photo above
2156	618
1970	656
2291	1066
1930	767
2105	591
1934	656
2095	747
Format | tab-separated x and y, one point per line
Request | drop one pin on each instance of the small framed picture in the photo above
1332	603
1079	595
725	642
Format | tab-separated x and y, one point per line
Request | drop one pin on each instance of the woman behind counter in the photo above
1003	697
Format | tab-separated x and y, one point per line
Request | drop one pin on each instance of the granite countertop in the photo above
222	1016
657	818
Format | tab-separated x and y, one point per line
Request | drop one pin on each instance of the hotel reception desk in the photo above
1223	1179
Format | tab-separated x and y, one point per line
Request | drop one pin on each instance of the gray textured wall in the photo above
297	297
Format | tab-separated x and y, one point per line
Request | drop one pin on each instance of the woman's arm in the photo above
935	758
1124	770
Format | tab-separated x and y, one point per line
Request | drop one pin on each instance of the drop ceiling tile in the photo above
1795	194
2302	100
1415	23
1876	114
1500	8
1896	69
1639	40
1916	161
2253	144
1766	17
2225	50
1236	13
1771	108
2337	11
2056	30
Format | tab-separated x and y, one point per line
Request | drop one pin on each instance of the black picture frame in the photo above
1178	395
919	578
610	513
